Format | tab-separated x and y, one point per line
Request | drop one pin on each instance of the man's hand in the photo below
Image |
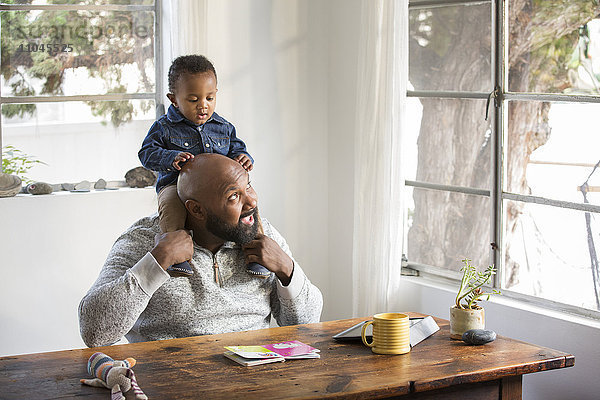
266	251
181	157
172	248
245	161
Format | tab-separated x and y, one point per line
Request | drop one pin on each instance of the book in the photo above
248	362
293	349
253	352
256	355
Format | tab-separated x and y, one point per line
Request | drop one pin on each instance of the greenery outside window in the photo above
504	103
79	86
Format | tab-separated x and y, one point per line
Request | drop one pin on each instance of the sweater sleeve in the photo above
127	281
300	302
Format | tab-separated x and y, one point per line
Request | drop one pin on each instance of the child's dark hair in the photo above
191	64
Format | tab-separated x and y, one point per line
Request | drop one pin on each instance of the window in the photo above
504	102
78	87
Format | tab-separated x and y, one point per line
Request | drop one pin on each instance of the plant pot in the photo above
462	320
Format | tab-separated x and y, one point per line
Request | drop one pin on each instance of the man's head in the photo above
220	202
193	87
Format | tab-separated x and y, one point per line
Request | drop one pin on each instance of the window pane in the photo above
551	150
553	47
445	228
448	142
548	253
77	52
77	145
450	48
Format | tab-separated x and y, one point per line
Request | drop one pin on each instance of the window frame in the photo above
158	86
498	99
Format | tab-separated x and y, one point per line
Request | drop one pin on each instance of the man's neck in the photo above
206	239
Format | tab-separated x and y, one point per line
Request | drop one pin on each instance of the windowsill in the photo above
62	193
506	301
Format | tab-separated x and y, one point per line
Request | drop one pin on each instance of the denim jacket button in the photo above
207	145
186	144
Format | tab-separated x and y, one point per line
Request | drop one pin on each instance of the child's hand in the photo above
245	161
181	157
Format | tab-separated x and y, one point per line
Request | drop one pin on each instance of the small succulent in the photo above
471	286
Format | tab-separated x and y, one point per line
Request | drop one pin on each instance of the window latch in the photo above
495	95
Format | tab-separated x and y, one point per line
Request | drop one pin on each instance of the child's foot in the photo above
258	270
181	269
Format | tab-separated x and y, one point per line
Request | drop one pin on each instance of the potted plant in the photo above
16	162
466	314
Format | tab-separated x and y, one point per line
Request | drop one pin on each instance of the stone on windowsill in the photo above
140	177
68	186
10	185
100	184
39	188
83	186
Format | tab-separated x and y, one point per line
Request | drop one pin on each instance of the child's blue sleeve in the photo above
236	145
154	153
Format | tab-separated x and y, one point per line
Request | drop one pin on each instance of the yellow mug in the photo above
390	333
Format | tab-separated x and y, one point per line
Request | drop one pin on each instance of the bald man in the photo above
135	297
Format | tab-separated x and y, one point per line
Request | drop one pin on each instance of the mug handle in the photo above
362	334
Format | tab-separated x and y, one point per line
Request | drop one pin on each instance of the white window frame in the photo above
499	97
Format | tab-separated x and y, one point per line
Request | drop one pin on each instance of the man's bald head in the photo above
205	175
221	204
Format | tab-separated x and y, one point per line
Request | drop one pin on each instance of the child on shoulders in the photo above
190	126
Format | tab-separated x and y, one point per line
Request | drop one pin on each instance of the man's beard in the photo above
240	233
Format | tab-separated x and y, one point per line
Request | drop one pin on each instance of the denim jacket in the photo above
173	133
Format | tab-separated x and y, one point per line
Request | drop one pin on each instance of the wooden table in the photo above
195	367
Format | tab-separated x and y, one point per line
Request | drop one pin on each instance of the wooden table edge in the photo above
494	374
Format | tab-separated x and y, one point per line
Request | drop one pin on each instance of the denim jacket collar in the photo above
175	116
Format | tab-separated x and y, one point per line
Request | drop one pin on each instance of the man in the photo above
135	297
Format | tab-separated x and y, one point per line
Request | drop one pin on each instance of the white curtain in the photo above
184	31
378	226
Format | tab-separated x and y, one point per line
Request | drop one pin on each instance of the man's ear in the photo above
172	98
195	209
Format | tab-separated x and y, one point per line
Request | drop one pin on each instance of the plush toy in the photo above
115	375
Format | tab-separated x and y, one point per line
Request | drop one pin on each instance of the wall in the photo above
51	250
572	335
342	100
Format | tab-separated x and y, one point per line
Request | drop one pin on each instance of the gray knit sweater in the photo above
134	297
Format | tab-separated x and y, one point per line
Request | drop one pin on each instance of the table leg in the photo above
511	388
